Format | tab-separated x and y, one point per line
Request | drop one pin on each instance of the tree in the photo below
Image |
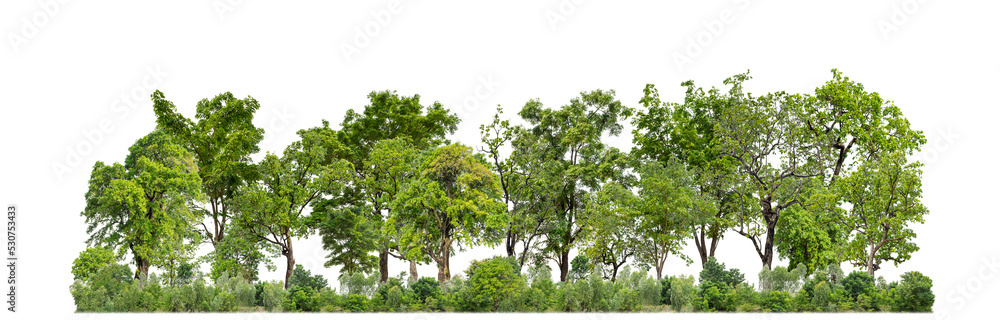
575	160
492	282
811	235
854	124
90	261
387	116
884	195
455	201
239	254
670	204
303	278
613	221
765	135
141	206
715	272
221	139
518	174
272	210
350	235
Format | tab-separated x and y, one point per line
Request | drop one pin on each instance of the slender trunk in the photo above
771	218
413	270
614	272
383	265
699	242
289	263
563	265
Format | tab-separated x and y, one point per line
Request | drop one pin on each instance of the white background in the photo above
68	70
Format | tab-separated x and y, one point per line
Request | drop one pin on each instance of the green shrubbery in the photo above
496	284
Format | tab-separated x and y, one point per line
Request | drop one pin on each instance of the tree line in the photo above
821	178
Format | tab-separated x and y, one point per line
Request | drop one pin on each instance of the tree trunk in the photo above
141	268
289	264
413	270
383	265
771	217
563	265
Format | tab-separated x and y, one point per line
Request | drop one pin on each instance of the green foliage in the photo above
141	206
455	201
425	288
90	261
715	272
579	268
356	303
358	284
821	296
858	283
492	282
778	301
273	296
303	278
682	292
782	279
913	294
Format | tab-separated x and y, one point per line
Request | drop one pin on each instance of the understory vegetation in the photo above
494	285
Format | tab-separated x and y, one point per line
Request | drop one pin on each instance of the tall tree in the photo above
454	202
854	124
518	174
686	131
670	204
576	160
776	159
614	221
141	206
387	116
884	196
272	210
221	137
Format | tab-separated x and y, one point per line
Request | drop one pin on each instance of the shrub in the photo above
356	303
778	301
913	294
580	267
682	292
716	272
303	278
714	297
358	284
821	296
782	279
273	296
90	261
491	282
426	287
858	283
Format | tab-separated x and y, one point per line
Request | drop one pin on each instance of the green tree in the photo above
492	282
913	294
575	161
272	210
387	116
90	261
518	174
614	221
454	201
670	206
303	278
221	138
141	206
715	272
766	137
686	132
884	195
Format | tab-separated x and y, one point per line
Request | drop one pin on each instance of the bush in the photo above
778	301
714	297
303	278
782	279
273	296
356	303
858	283
358	284
682	292
913	294
91	261
716	272
491	282
821	296
580	267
